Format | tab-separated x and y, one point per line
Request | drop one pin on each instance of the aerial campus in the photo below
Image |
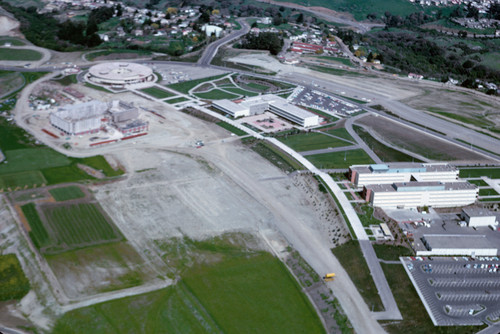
255	166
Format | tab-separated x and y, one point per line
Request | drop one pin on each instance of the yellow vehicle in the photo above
329	277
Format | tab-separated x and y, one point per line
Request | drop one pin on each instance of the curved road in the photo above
212	48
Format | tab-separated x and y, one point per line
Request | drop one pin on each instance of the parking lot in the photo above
457	291
315	99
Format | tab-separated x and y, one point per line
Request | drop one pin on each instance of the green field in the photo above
415	317
340	159
99	162
240	91
344	61
312	141
22	180
247	294
492	173
157	92
231	128
391	252
257	87
365	214
19	54
216	94
13	282
487	192
30	159
78	225
490	59
176	100
340	132
13	41
67	80
38	232
384	152
361	8
351	258
66	193
186	86
479	183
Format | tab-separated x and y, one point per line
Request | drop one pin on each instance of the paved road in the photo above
361	143
211	49
329	150
10	331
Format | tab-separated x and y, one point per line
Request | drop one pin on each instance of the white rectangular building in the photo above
413	194
389	173
476	217
275	104
79	118
457	244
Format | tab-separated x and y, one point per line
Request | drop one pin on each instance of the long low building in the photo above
275	104
457	244
389	173
413	194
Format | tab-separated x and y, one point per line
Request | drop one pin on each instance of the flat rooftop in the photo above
404	167
230	105
458	241
477	212
420	186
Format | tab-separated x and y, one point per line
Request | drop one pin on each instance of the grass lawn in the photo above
257	87
416	319
66	193
479	183
340	159
29	159
479	121
345	61
13	41
351	258
157	92
391	252
67	80
233	293
216	94
492	173
91	56
365	214
71	173
240	292
78	225
311	141
99	162
176	100
22	180
240	91
19	54
487	192
102	89
342	133
384	152
38	233
231	128
186	86
13	282
277	157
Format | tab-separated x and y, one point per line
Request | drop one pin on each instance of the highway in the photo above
212	48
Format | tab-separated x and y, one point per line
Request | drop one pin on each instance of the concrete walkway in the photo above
361	143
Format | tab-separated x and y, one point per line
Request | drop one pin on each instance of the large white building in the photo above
119	74
457	244
79	118
413	194
275	104
389	173
478	217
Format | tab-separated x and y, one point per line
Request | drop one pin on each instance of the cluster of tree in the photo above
79	33
263	41
412	20
414	53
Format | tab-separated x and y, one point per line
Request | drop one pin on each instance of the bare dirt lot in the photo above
418	142
9	27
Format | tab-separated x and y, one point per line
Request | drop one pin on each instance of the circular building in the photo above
118	74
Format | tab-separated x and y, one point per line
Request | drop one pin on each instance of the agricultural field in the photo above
19	54
66	227
30	159
384	152
13	282
351	258
208	298
337	160
157	92
186	86
22	180
312	141
416	141
66	193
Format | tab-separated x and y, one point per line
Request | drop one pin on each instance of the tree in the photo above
300	18
93	40
91	28
254	25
